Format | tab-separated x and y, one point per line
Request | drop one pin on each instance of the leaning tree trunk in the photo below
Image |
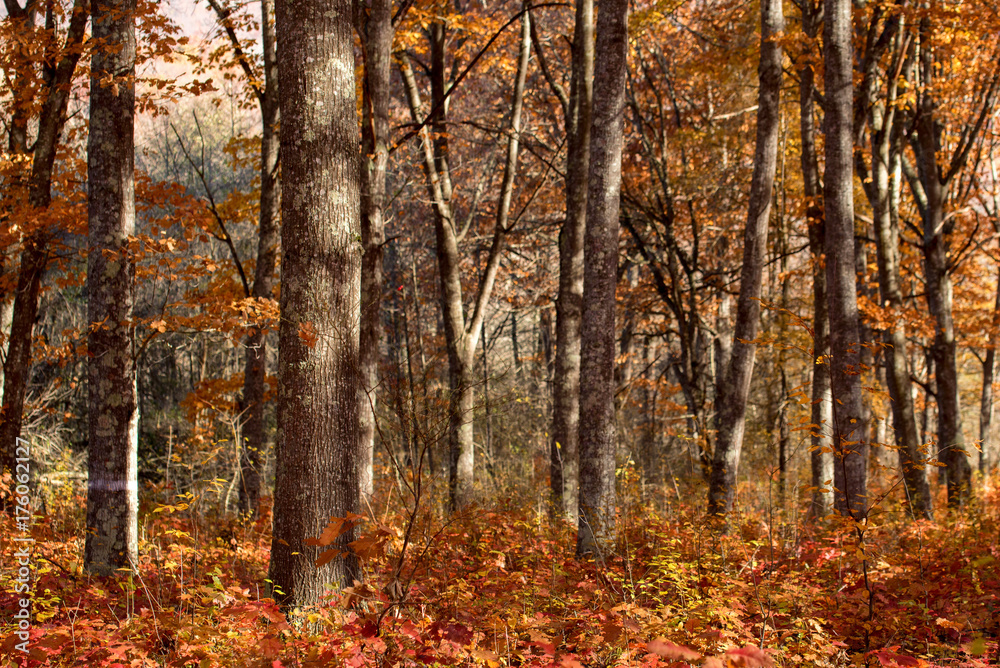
255	356
820	450
850	475
376	33
597	360
565	456
731	401
113	412
316	475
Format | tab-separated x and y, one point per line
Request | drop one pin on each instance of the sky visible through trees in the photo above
601	333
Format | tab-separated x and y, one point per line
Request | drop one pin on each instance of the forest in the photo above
497	333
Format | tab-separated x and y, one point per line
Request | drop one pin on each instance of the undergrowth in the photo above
500	586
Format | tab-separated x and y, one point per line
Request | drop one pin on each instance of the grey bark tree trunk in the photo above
986	408
931	190
850	475
821	417
252	446
461	334
35	253
597	341
376	33
316	473
732	397
565	456
881	181
113	411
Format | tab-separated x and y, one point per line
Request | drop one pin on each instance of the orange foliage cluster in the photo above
500	587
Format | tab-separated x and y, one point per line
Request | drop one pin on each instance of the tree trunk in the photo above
564	458
931	188
850	475
882	181
732	398
113	412
820	450
461	334
255	356
34	253
316	470
986	409
597	335
376	32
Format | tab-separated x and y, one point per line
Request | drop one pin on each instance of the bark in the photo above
850	475
35	252
881	181
597	335
316	473
462	334
376	32
17	145
986	409
564	458
113	412
253	444
731	401
821	448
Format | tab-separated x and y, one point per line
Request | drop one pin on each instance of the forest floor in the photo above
500	586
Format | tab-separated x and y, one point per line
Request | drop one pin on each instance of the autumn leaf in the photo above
307	334
893	660
751	657
669	650
326	557
483	656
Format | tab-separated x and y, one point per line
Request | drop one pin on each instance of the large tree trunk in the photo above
316	473
850	475
34	253
820	450
255	356
113	412
565	456
731	400
376	32
597	344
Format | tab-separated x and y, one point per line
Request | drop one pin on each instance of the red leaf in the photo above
752	657
669	650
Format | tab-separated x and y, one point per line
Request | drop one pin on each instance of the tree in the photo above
113	415
564	454
255	355
881	183
850	449
595	533
35	254
316	474
376	30
820	451
732	398
462	333
931	184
